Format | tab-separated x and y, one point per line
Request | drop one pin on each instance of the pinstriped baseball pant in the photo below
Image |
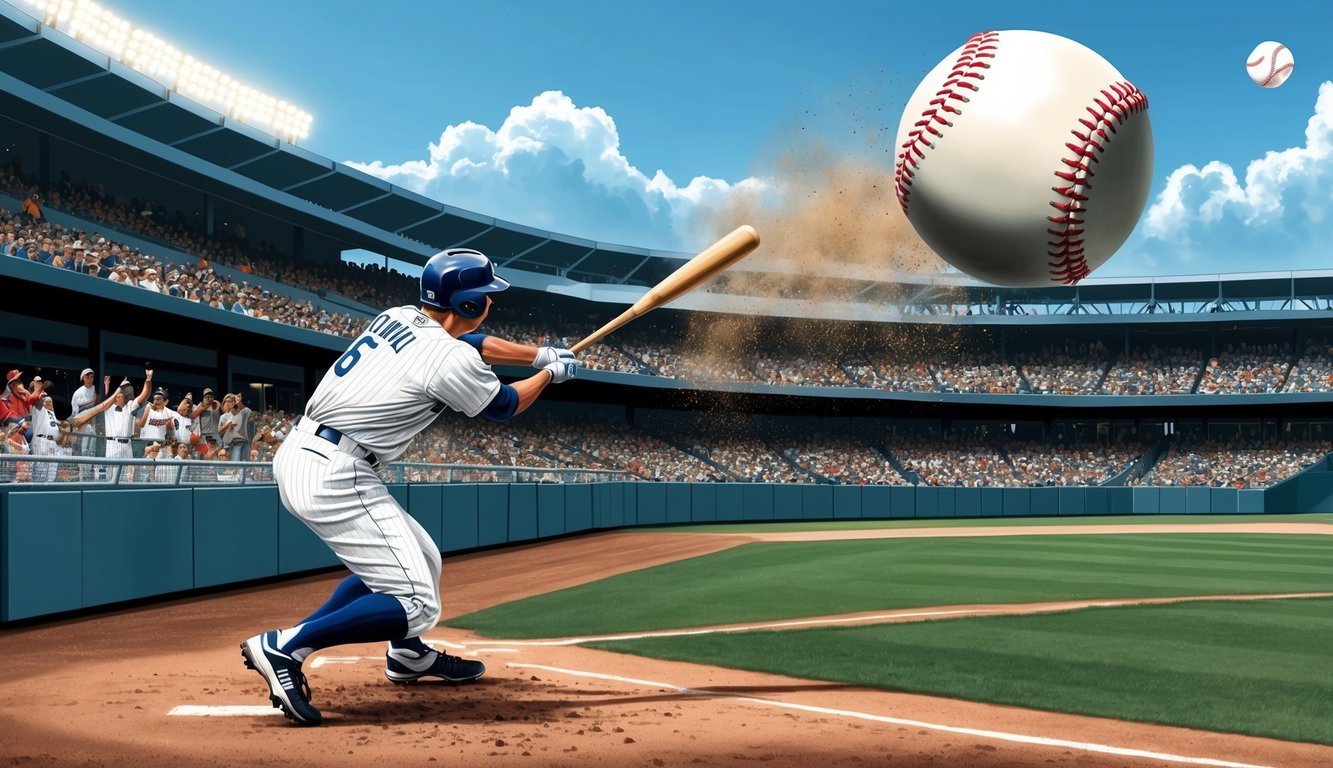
344	502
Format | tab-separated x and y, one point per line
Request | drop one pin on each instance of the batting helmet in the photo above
458	279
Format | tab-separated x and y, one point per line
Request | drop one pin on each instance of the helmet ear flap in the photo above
468	308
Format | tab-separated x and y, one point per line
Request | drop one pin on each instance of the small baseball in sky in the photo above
1270	65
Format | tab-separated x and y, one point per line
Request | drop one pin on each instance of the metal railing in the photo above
19	469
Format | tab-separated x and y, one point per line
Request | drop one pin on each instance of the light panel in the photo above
140	50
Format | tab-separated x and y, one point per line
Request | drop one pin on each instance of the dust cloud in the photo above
829	223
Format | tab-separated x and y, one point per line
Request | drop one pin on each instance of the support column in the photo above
44	162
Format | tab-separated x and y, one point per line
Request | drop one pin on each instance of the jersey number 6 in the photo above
353	354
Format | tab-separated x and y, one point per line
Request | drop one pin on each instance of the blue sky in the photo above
620	121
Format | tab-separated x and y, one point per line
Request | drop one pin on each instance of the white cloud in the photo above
557	166
1207	219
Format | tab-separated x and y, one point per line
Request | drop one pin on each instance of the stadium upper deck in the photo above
63	99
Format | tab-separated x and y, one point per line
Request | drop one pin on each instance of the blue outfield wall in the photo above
67	549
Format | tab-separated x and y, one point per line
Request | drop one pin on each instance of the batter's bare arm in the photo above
495	351
529	389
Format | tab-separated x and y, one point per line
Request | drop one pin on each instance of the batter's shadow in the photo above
500	700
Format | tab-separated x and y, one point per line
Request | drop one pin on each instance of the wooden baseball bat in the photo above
693	273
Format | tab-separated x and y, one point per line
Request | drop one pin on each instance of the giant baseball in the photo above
1024	158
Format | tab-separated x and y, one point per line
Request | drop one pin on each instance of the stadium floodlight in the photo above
140	50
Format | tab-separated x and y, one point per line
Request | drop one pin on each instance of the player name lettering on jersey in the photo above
396	333
382	399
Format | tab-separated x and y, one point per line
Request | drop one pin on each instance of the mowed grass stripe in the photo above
1261	668
989	522
1272	546
764	582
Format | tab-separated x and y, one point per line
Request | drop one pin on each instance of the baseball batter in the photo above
405	368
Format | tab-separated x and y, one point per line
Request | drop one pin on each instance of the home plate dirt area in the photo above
164	685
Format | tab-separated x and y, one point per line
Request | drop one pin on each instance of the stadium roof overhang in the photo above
58	85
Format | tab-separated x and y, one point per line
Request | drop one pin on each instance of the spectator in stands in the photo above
41	252
83	400
45	434
208	413
238	431
14	246
15	442
32	209
17	401
85	396
149	281
187	427
158	419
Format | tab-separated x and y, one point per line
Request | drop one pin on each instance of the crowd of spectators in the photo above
166	428
745	458
1072	369
959	463
1313	372
893	375
1156	371
1247	369
974	373
1042	465
93	253
843	459
1252	464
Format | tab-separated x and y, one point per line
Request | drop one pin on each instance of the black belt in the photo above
46	437
334	436
119	439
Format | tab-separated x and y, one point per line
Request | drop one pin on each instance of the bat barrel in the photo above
693	273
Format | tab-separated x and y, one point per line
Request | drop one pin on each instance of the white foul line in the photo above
743	628
997	735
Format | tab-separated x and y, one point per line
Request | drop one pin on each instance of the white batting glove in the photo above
562	370
547	355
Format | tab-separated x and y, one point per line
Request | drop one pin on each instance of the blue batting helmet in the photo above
457	280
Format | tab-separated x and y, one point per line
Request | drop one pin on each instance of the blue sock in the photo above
348	590
367	619
411	644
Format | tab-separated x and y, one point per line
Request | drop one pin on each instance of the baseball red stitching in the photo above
1272	65
979	46
1109	109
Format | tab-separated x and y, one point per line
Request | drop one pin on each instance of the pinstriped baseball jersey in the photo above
396	377
119	421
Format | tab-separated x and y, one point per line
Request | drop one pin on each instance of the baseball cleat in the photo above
407	666
287	686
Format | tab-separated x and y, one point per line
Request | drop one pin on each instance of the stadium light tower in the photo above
144	52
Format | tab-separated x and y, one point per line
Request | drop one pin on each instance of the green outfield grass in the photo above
767	581
1260	668
970	522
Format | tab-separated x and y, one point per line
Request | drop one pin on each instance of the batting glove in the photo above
562	371
547	355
